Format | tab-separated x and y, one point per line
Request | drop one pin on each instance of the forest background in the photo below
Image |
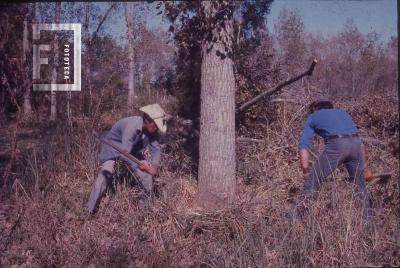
48	154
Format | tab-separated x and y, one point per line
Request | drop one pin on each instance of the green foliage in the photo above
190	28
253	14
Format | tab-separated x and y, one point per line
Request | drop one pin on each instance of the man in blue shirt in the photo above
342	146
132	134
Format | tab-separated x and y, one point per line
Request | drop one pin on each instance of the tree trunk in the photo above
87	95
217	181
25	48
131	79
53	100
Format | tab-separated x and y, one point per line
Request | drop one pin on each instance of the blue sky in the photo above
326	17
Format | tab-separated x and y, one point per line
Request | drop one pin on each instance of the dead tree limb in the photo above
249	103
101	23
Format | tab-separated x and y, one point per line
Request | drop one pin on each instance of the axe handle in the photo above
380	175
374	178
118	149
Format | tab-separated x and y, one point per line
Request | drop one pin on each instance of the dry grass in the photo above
43	222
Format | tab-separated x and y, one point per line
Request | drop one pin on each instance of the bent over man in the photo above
342	146
132	134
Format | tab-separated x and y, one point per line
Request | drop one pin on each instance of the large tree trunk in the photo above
53	100
217	181
131	79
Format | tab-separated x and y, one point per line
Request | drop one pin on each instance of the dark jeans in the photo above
337	151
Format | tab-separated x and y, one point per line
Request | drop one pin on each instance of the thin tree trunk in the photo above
53	100
89	39
87	95
146	79
217	182
131	79
27	94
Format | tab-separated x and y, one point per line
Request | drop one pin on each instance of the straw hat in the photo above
155	112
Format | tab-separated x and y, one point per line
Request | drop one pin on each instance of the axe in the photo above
118	149
381	178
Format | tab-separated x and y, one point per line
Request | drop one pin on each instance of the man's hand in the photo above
368	175
305	165
306	171
149	168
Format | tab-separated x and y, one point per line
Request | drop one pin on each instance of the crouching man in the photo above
132	134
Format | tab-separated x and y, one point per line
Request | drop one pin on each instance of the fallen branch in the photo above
244	139
249	103
277	100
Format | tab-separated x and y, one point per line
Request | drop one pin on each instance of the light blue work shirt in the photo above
127	134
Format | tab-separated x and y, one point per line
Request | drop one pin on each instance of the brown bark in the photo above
217	130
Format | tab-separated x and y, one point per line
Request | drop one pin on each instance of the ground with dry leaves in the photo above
44	224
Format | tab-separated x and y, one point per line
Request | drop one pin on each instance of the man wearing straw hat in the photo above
342	146
132	134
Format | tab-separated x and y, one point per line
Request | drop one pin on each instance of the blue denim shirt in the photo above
127	134
326	122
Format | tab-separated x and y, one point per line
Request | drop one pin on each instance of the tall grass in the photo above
46	224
